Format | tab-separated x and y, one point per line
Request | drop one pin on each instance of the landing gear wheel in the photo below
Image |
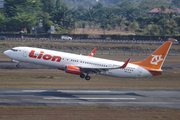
82	75
18	66
87	78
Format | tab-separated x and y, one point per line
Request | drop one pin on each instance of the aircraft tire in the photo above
87	78
82	75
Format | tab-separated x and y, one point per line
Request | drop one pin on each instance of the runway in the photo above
169	99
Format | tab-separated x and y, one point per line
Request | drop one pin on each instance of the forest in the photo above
68	15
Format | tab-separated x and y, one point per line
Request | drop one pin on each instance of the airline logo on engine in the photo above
43	56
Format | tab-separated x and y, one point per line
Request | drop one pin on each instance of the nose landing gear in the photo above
18	65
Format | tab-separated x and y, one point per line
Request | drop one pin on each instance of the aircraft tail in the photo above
154	62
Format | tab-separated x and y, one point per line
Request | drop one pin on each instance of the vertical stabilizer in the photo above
157	58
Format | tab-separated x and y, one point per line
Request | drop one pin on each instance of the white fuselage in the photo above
23	54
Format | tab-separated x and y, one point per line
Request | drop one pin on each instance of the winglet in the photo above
126	63
93	52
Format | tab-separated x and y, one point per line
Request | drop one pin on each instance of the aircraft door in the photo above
24	53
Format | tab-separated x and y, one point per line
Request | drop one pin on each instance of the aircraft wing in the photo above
89	68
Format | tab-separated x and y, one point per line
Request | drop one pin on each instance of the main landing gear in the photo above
87	77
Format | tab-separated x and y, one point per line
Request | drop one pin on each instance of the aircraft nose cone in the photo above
7	52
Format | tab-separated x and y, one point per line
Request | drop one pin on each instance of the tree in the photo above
120	21
3	20
129	10
144	21
58	4
150	4
99	5
177	20
62	15
22	21
12	7
86	3
108	14
107	18
22	14
153	29
90	15
133	26
171	27
45	17
80	11
169	30
48	6
176	3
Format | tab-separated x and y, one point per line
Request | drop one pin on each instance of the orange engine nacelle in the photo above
72	70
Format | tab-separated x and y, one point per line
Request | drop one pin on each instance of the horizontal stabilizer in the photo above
156	70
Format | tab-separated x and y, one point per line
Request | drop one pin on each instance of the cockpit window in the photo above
14	50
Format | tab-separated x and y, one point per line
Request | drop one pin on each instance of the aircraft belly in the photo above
120	73
124	73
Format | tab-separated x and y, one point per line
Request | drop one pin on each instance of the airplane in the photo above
81	65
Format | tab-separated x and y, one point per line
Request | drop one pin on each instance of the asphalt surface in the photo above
23	65
168	99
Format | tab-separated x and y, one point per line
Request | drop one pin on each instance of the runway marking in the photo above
12	92
83	91
34	90
120	103
63	98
